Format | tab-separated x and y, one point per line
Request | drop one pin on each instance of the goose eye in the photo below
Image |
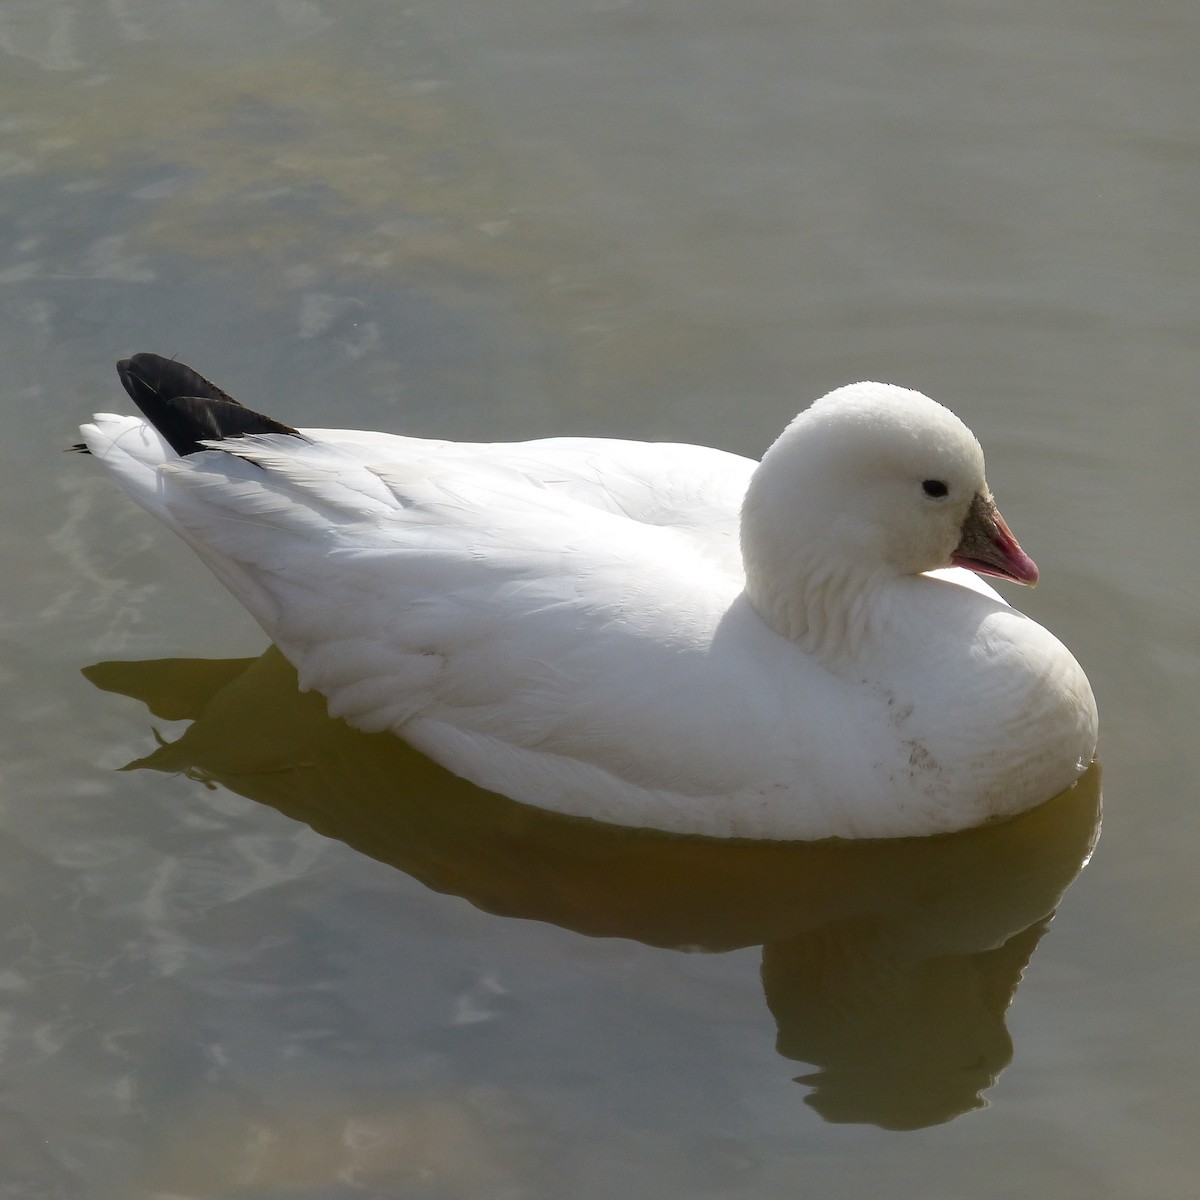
936	488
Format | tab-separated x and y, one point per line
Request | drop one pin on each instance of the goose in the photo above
653	635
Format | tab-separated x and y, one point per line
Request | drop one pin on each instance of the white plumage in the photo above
597	627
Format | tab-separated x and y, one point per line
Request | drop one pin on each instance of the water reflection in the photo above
888	966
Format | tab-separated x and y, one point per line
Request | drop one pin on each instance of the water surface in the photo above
640	219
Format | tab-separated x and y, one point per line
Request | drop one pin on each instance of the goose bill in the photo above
988	547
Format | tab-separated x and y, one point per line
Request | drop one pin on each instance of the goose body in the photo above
653	635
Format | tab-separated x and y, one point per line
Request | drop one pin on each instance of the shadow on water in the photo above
887	965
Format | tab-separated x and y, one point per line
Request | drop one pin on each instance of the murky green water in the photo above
293	961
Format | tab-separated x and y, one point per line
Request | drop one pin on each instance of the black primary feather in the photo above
185	408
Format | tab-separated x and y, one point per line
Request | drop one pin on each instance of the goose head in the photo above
871	483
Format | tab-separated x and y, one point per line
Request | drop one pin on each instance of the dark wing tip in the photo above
145	375
186	408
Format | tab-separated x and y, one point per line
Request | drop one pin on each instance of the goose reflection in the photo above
888	966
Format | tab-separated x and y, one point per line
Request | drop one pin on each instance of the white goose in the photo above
663	636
